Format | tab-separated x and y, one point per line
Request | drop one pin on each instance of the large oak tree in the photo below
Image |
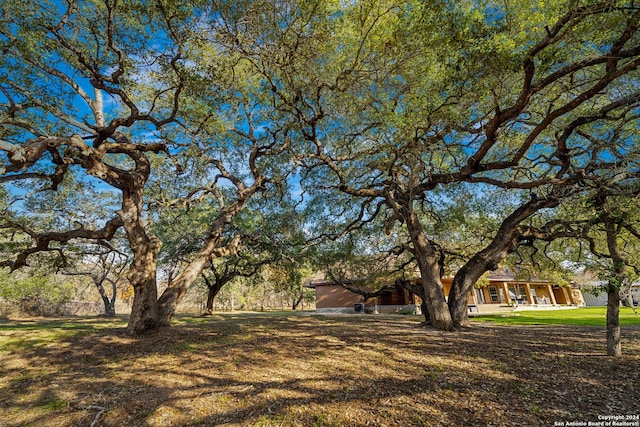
129	96
397	99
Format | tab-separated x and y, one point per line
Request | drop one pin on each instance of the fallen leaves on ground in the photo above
263	370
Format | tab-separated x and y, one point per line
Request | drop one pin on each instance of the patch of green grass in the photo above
585	316
34	339
53	405
29	334
72	323
322	420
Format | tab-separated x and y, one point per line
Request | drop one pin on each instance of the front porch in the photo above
506	310
528	294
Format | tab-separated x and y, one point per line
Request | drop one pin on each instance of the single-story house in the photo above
333	297
506	289
501	289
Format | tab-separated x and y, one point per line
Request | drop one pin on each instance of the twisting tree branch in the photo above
42	241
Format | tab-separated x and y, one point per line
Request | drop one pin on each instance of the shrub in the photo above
35	294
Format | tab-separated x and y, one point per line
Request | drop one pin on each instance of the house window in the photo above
480	296
518	293
493	293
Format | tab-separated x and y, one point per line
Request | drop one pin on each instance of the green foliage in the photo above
610	274
35	292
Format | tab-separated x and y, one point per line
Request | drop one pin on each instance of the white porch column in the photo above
505	289
527	288
553	297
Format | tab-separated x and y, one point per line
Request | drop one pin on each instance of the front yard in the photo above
293	370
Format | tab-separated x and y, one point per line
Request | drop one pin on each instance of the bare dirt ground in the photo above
275	370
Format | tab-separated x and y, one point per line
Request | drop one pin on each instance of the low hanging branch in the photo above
42	241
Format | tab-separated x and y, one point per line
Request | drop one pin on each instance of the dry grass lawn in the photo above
292	370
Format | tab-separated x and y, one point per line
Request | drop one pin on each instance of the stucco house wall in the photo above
331	297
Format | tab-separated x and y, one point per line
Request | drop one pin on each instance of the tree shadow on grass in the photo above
280	370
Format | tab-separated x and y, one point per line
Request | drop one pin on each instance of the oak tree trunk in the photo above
297	301
109	304
213	289
466	278
505	241
142	272
615	281
425	311
458	303
211	296
142	275
613	321
428	257
171	296
109	307
210	248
